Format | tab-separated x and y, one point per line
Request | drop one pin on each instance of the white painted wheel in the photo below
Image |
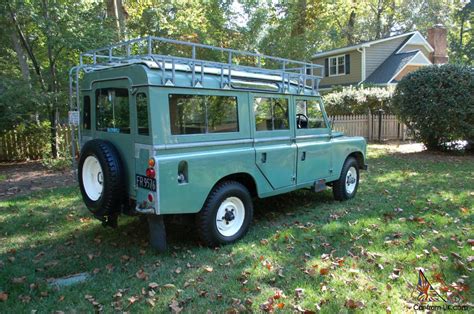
351	180
230	216
92	178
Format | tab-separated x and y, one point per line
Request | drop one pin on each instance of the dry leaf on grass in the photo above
21	279
141	274
3	296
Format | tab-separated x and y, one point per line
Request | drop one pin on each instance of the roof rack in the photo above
185	57
155	52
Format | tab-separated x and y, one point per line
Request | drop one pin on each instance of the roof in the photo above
409	35
391	66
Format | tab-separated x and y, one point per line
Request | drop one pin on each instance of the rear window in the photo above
142	114
271	113
86	113
112	110
198	114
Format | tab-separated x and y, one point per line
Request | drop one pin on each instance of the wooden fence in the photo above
15	146
368	126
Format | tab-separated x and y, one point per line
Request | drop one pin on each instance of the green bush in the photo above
437	104
358	100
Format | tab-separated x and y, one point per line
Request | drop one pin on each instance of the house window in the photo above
337	65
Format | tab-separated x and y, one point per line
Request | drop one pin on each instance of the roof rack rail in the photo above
147	49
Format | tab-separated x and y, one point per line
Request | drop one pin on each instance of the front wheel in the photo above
346	187
226	215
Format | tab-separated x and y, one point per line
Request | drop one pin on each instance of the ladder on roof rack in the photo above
146	49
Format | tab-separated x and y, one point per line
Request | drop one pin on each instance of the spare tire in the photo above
101	177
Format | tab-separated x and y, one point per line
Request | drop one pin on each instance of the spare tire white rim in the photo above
92	178
351	180
230	216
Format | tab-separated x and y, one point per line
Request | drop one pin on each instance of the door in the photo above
313	140
274	143
112	121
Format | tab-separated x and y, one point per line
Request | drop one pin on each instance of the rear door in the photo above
112	120
274	142
312	139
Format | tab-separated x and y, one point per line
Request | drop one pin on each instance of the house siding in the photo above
405	71
417	47
376	54
354	77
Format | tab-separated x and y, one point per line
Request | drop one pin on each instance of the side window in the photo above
271	114
196	114
112	110
309	115
142	114
86	113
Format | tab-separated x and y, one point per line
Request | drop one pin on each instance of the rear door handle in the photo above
264	158
303	156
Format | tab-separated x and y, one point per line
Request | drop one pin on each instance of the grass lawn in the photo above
412	211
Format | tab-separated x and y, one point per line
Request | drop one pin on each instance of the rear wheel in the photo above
101	177
346	187
226	215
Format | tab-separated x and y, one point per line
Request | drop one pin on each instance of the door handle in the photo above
264	158
303	156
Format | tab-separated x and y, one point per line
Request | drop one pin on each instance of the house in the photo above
384	61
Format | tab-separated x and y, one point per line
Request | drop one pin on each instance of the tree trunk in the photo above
20	53
53	85
116	12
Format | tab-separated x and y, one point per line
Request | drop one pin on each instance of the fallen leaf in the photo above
351	304
280	305
153	285
133	299
21	279
456	255
324	271
464	210
299	292
434	249
178	270
169	286
150	302
470	259
125	258
109	267
3	296
174	306
141	274
208	269
264	241
24	298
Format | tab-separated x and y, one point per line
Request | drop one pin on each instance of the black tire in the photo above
113	178
339	189
206	218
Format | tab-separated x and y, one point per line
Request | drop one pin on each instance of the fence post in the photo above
369	125
380	124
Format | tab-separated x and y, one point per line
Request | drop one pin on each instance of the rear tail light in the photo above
150	173
150	197
151	162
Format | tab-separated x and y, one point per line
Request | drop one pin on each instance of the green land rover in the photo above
202	131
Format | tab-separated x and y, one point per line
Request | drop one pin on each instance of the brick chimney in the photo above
437	37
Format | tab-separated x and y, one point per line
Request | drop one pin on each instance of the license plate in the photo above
146	183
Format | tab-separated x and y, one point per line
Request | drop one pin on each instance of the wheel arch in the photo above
359	157
244	178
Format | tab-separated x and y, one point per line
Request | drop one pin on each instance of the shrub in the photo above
437	104
358	100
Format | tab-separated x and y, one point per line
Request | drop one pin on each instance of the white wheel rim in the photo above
92	178
351	180
230	216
